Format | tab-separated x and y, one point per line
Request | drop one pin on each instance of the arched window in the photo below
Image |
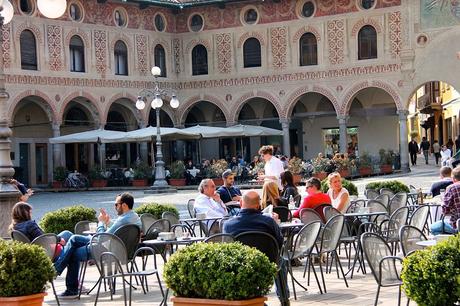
28	46
121	58
367	43
252	53
77	54
308	50
199	60
160	59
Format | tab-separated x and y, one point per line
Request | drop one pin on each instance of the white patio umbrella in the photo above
147	133
252	131
94	136
210	131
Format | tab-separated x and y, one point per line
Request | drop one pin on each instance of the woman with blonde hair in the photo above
271	195
340	197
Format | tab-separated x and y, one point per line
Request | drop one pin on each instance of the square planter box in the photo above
99	183
180	301
140	183
177	182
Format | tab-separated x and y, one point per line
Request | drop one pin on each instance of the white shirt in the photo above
207	205
274	167
335	202
445	155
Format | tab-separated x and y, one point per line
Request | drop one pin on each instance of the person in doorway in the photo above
273	166
436	151
425	147
413	151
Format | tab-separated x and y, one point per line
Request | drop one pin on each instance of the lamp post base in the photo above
160	190
9	196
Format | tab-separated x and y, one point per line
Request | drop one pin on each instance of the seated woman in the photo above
271	195
314	197
289	189
340	197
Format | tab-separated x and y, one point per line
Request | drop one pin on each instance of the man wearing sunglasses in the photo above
124	206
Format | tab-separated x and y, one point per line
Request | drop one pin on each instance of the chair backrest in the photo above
147	220
397	201
331	233
19	236
408	237
284	213
191	208
130	234
81	226
387	191
375	249
320	210
308	215
384	199
355	206
221	224
264	242
420	217
400	216
105	242
48	242
220	238
376	206
173	219
179	230
158	226
371	194
305	240
330	212
297	200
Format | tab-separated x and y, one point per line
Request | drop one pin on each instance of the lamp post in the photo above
160	184
8	193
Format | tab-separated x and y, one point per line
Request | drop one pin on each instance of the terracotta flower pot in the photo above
180	301
140	183
365	171
99	183
320	175
386	169
344	173
29	300
218	181
177	182
57	185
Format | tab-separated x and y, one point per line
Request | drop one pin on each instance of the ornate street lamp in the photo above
160	184
8	193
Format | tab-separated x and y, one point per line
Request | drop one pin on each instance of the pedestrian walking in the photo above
436	151
413	150
425	148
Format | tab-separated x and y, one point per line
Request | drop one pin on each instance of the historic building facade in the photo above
333	75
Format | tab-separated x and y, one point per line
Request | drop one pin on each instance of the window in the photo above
75	12
196	23
28	48
308	50
199	60
77	54
120	18
251	16
367	43
252	53
160	23
121	58
367	4
308	9
26	6
160	59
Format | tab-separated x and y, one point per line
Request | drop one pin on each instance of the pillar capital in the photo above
403	114
343	119
285	120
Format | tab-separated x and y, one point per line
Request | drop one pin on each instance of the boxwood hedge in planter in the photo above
352	189
156	209
25	269
222	271
395	186
431	277
66	218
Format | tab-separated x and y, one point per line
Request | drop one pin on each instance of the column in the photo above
403	143
343	133
143	147
57	147
180	146
286	143
102	155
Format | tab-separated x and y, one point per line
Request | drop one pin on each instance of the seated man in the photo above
250	218
446	180
314	198
77	248
229	194
450	206
209	201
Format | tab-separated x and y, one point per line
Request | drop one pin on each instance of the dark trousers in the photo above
436	157
413	158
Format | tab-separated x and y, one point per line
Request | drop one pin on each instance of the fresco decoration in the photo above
439	13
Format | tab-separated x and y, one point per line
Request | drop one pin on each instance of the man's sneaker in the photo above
68	295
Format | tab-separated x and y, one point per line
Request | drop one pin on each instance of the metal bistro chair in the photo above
19	236
308	215
320	210
220	238
172	217
49	242
297	200
365	227
283	212
387	191
147	220
408	238
382	263
158	226
112	262
371	194
376	206
419	217
81	226
384	199
390	228
397	201
191	208
356	205
330	212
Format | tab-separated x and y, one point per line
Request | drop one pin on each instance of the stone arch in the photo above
257	94
185	108
306	29
82	34
293	98
362	22
124	38
191	44
48	106
31	27
92	107
387	87
254	34
163	43
137	114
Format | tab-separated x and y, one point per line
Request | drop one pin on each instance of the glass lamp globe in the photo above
140	104
174	102
157	102
156	71
52	8
7	11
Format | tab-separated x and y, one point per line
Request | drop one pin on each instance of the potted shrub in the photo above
320	165
395	186
342	166
66	218
141	173
295	166
216	170
431	276
25	270
156	209
177	176
352	189
219	274
365	164
386	161
97	178
59	176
